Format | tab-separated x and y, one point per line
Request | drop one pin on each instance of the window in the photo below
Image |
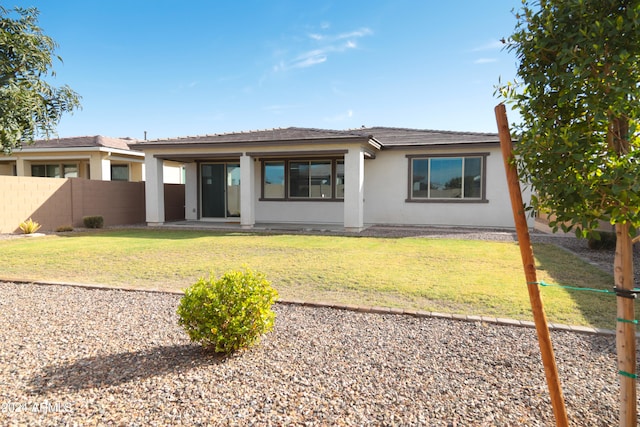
303	179
310	179
70	171
49	171
53	171
119	172
273	180
447	178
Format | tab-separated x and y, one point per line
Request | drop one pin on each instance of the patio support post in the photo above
100	166
154	189
191	191
21	167
354	190
106	169
247	191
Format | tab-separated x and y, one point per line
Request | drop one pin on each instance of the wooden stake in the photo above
625	331
528	262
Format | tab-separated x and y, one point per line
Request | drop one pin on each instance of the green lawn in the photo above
453	276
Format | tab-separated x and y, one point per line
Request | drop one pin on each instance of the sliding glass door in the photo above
220	190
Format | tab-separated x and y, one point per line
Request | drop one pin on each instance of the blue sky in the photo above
175	68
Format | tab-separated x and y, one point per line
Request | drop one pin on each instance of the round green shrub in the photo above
602	241
95	221
230	313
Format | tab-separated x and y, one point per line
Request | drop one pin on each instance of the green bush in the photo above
64	228
230	313
93	221
603	240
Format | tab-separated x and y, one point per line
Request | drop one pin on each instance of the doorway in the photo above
220	190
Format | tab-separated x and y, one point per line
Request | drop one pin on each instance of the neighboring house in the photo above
353	178
91	157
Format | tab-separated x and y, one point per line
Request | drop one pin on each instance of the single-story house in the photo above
91	157
376	175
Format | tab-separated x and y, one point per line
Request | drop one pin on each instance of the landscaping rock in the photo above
77	356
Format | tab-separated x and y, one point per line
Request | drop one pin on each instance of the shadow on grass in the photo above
116	369
597	306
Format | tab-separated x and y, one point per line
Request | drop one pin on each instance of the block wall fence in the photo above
55	202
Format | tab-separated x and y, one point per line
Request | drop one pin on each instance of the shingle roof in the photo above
401	137
388	137
267	135
82	142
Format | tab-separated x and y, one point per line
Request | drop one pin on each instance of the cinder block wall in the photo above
55	202
117	202
45	200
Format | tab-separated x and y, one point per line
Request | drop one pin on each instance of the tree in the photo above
578	93
29	105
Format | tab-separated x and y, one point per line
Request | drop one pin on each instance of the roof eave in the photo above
441	145
274	142
29	150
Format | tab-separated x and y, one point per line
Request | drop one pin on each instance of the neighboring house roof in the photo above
82	142
383	137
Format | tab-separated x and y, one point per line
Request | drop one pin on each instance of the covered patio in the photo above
280	176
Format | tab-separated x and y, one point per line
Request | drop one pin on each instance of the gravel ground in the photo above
76	356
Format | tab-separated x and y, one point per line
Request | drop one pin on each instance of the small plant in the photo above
229	313
95	221
29	226
604	240
64	228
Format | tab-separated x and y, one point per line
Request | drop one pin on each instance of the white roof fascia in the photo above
125	159
120	151
59	159
69	149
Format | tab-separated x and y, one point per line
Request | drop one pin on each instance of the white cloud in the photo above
491	45
309	61
340	117
357	34
485	60
190	85
279	108
324	45
183	87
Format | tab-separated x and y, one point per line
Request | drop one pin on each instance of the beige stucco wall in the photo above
173	173
136	172
6	168
385	191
